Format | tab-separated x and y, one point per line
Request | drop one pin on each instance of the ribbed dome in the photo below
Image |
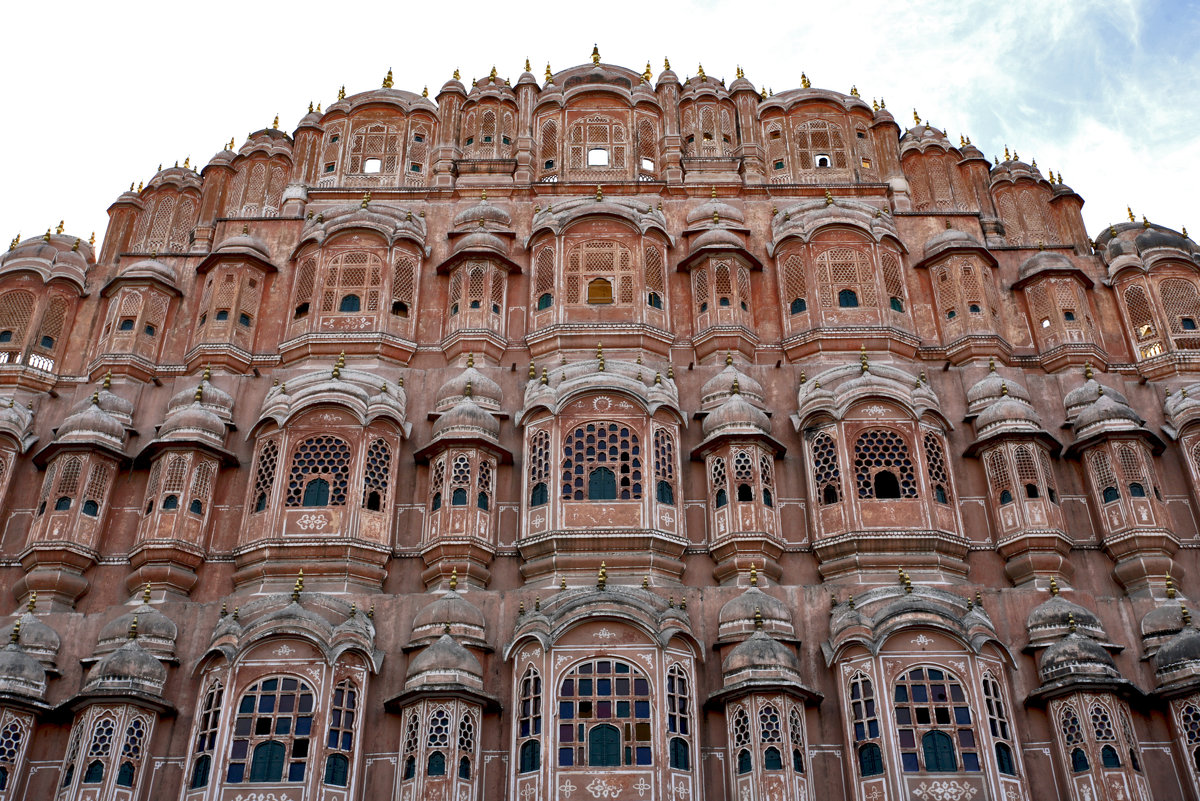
1180	651
193	421
481	241
992	387
1105	409
735	414
760	652
92	424
212	398
724	211
444	662
1007	411
484	391
949	239
1077	656
1051	620
20	673
720	386
483	211
465	620
737	616
156	632
244	243
1045	260
151	268
469	418
1164	620
129	667
36	637
1088	392
716	239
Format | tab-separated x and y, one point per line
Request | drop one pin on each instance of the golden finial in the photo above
224	610
229	146
1033	163
595	54
850	601
342	92
1071	622
735	389
1007	157
599	193
647	74
467	390
979	599
1004	388
92	238
562	585
61	226
1016	157
108	380
874	104
341	362
299	587
1187	616
907	585
492	75
545	376
753	575
537	603
1129	211
602	577
916	117
764	93
133	628
701	75
803	378
646	582
683	604
854	91
863	364
666	63
365	200
1145	222
32	605
1170	587
371	612
1184	232
671	601
16	240
46	235
758	621
75	247
1087	370
970	604
670	372
740	74
353	610
187	162
454	579
146	594
237	611
804	82
310	107
549	76
198	395
991	364
275	124
387	79
961	142
828	198
520	611
1053	586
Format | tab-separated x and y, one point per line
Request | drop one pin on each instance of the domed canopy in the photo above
20	674
720	387
483	391
92	425
36	638
1107	412
1076	657
445	662
155	632
152	269
735	416
465	620
737	617
487	212
950	239
212	397
704	213
1180	652
192	423
993	387
1051	620
467	419
1091	390
760	652
130	668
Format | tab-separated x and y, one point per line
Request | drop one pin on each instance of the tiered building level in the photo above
610	436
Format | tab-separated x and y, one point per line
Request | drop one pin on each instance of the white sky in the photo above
98	94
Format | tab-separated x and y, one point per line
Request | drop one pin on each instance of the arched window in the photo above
604	746
1004	759
1079	761
745	493
599	291
539	495
664	466
64	503
931	701
848	299
877	452
602	485
94	773
337	770
1110	494
1109	757
998	724
680	754
610	446
464	768
539	468
200	772
870	760
935	461
264	477
340	737
772	759
531	756
350	303
375	477
323	458
717	480
458	497
273	729
125	774
436	764
545	301
609	696
745	762
722	498
826	475
206	736
267	763
316	493
410	768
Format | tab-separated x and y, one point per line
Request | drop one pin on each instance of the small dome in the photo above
155	631
1103	410
36	637
20	673
760	652
1045	260
244	243
1161	623
1076	656
991	388
92	424
484	391
151	268
716	239
720	386
481	241
1007	412
1182	650
465	620
467	418
212	398
737	616
129	667
1157	237
735	414
484	211
724	212
1051	620
193	422
949	239
444	662
1081	396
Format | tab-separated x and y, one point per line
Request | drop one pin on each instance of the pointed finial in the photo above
701	75
599	193
863	364
804	82
353	610
671	601
275	124
549	76
666	63
75	247
492	75
46	236
545	376
1145	222
365	200
854	91
1184	232
371	612
224	610
1187	616
979	599
1053	586
764	93
520	611
670	372
991	364
310	107
740	74
387	79
735	389
146	594
562	585
646	582
970	604
758	621
237	611
32	605
1129	211
602	577
828	198
299	587
1004	388
467	390
595	54
1170	587
1007	157
133	628
753	575
907	585
1016	157
454	579
1071	622
1087	370
647	74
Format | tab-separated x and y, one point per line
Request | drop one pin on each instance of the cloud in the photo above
1101	91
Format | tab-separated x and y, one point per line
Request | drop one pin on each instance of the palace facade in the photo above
609	436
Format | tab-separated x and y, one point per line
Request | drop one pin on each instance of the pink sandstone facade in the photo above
610	436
